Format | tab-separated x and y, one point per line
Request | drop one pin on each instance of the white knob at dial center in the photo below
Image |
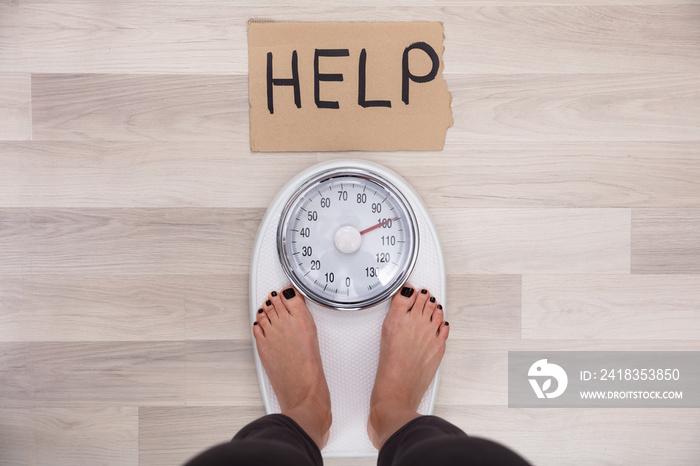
347	239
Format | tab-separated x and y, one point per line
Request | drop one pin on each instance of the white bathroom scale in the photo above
347	234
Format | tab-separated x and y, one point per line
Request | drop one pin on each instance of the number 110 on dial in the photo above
347	239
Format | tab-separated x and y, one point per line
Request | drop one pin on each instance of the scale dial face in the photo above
347	239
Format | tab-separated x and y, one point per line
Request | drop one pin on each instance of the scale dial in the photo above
347	239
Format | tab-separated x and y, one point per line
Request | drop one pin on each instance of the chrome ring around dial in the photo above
347	239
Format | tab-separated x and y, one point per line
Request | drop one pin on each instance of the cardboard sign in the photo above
347	86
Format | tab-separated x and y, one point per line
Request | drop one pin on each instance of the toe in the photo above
429	308
269	310
444	331
258	331
402	301
293	301
279	306
437	316
261	317
419	305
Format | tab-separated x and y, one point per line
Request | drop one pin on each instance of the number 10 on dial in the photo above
347	239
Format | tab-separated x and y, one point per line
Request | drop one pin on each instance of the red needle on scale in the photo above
380	224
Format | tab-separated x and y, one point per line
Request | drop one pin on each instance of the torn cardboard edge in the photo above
365	86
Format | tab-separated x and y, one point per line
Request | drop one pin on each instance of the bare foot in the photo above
413	343
285	334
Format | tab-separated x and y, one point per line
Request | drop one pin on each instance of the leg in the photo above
413	343
271	440
432	440
412	346
285	335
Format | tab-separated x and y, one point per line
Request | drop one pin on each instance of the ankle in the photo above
321	405
385	418
314	416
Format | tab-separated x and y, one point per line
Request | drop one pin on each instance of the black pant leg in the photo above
269	441
432	440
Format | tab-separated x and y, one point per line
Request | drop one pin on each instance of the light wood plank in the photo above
142	174
107	373
140	108
124	37
95	308
173	435
217	307
581	174
413	4
580	107
591	37
666	241
459	341
86	436
559	3
17	437
15	380
470	376
620	307
14	241
601	436
203	37
522	241
137	241
15	298
15	106
484	306
221	373
123	308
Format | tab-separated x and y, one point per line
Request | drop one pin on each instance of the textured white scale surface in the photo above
349	340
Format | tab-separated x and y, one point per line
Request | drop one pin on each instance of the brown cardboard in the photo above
357	123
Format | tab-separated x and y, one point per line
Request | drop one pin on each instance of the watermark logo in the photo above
547	371
604	379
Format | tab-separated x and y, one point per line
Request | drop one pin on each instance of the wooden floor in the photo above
567	200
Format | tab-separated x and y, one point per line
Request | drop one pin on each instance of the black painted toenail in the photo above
273	294
432	299
446	324
407	291
424	291
260	311
268	303
254	324
289	293
439	306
